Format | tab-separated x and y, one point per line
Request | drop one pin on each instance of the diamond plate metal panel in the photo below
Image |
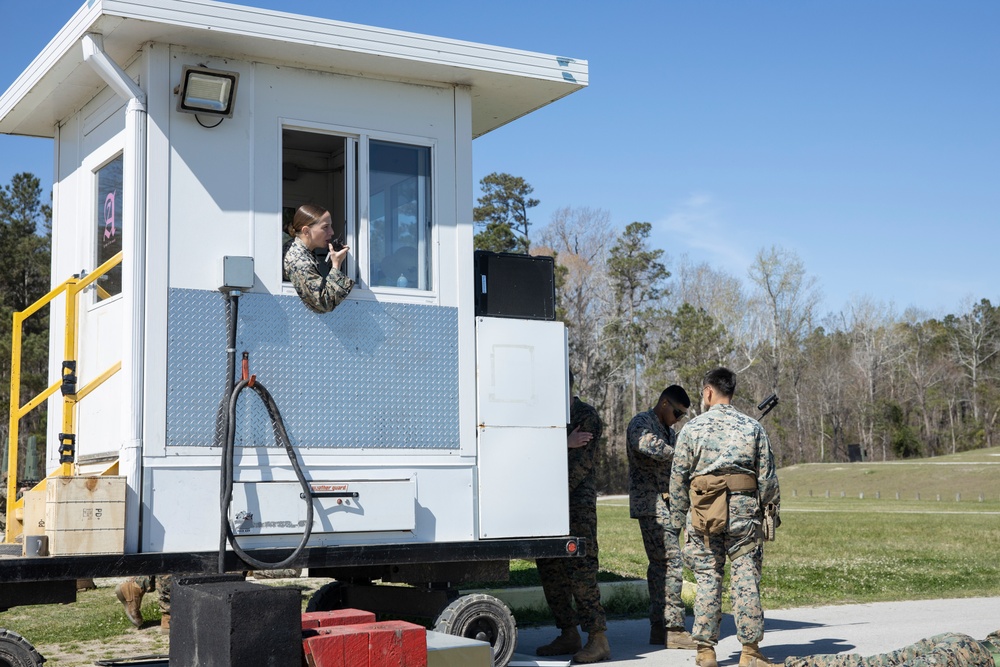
371	375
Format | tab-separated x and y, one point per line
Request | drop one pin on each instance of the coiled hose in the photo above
228	455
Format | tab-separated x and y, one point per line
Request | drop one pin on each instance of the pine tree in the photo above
25	243
503	211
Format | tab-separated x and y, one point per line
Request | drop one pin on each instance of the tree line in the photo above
898	385
25	261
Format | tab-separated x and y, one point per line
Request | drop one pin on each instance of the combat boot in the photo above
130	595
705	656
597	649
680	638
752	657
566	643
657	633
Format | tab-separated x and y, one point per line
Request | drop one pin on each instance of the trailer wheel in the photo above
481	617
16	651
327	598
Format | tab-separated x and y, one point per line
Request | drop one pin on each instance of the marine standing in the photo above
569	580
651	439
724	471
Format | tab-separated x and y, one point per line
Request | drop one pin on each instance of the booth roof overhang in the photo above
505	83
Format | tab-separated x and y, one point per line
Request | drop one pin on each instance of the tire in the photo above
481	617
16	651
329	597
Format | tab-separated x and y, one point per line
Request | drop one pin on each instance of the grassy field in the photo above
968	476
835	550
859	544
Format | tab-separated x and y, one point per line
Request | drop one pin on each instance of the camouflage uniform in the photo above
160	583
650	452
946	650
567	579
319	289
723	441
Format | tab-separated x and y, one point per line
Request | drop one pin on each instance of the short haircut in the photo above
722	380
676	394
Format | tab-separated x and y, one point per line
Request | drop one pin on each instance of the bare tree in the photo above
923	341
579	238
723	297
789	297
875	344
975	340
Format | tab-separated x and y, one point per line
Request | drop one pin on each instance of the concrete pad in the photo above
862	628
444	650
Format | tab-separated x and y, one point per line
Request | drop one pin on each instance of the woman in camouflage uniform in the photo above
321	289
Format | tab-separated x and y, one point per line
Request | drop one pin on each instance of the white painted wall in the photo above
84	143
224	198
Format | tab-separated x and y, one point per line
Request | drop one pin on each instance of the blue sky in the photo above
864	135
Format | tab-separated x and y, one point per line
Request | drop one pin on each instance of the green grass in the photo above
832	552
96	614
963	475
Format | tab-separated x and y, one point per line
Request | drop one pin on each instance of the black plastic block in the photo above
222	621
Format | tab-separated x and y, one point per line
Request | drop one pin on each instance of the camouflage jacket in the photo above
945	650
720	441
581	461
650	452
321	293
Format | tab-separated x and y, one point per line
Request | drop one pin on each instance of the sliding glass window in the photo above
400	215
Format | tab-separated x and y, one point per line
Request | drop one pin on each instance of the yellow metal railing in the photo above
71	394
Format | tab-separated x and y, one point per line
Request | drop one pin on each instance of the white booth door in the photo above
100	309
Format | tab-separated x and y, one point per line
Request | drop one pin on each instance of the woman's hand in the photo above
337	257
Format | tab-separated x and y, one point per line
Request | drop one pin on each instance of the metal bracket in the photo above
67	447
69	378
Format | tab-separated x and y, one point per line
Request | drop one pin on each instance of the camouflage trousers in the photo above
706	555
569	581
664	574
945	650
160	583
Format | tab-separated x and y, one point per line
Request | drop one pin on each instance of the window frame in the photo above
357	175
430	252
118	152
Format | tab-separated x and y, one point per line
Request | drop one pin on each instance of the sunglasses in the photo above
678	413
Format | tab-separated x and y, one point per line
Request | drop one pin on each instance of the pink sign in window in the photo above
109	225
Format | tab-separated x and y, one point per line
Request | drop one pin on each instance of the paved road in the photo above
863	628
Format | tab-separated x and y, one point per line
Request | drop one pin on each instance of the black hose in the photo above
222	422
228	456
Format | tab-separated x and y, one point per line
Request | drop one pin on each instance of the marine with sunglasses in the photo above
651	440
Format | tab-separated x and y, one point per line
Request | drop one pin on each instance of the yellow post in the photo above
12	431
69	358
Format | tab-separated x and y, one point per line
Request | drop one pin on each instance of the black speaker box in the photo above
512	285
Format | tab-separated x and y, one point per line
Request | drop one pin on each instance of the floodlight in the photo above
207	91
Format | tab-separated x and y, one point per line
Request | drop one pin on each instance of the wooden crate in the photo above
85	515
34	512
